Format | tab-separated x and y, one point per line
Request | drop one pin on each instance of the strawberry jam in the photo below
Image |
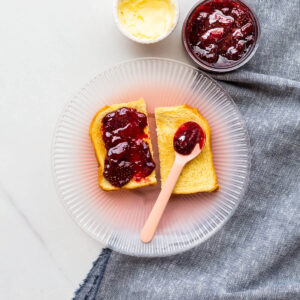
187	136
220	32
128	155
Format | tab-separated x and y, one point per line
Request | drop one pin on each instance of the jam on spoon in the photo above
220	32
187	136
128	155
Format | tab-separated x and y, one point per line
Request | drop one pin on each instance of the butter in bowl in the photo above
146	21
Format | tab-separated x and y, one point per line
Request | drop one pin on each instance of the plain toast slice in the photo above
199	174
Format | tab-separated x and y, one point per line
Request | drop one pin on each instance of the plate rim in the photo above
196	242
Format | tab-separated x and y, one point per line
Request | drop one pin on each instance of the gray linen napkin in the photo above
257	253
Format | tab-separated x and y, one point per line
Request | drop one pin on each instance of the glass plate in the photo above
116	218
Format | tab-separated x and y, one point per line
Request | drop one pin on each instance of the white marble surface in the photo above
49	49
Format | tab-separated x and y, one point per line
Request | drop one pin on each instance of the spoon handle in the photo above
152	222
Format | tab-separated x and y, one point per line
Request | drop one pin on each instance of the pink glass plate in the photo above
116	218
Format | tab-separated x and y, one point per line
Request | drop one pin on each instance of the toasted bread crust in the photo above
95	132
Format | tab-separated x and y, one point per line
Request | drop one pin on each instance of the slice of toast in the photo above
100	150
199	174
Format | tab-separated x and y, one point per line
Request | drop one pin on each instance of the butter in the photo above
146	19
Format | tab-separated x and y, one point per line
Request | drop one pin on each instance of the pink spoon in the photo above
197	141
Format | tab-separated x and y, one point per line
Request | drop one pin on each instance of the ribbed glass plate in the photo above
116	218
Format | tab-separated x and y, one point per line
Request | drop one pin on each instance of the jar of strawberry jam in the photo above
221	35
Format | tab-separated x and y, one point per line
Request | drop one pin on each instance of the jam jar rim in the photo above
208	67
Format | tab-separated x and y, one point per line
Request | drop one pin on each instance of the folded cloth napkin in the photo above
256	255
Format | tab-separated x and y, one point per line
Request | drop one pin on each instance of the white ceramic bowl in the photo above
145	41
